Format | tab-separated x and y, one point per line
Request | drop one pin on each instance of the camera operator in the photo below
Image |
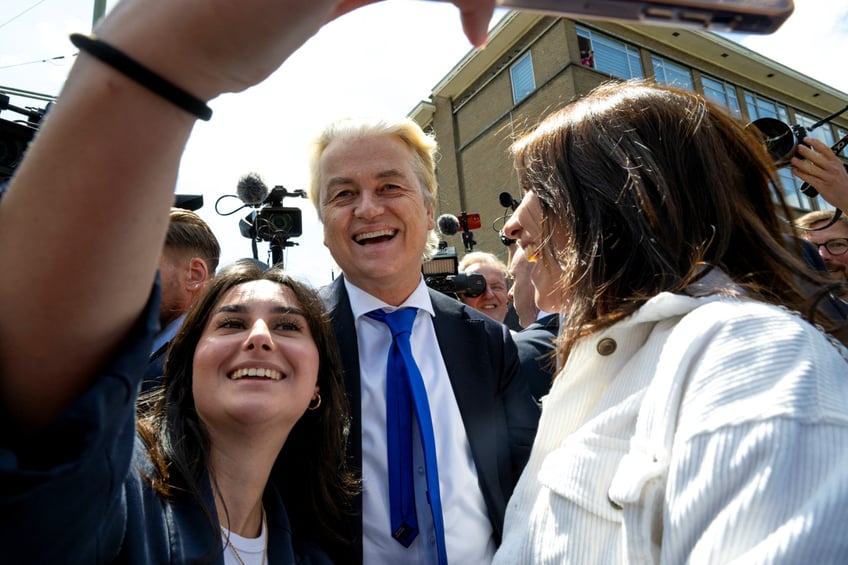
494	302
816	164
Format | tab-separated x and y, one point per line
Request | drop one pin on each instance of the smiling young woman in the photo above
281	426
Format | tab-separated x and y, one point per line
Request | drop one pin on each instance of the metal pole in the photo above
99	10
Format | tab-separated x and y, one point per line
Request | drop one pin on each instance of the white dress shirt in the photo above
468	531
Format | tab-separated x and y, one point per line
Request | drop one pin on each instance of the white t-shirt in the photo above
252	551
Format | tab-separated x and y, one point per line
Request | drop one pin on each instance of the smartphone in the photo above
744	16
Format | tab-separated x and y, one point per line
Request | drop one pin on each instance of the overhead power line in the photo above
56	58
13	18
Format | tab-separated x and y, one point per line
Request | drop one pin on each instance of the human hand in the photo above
213	46
476	15
209	47
816	164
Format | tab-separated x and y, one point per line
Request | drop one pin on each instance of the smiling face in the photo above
256	361
494	301
837	265
376	220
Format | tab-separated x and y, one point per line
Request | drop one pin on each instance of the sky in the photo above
382	59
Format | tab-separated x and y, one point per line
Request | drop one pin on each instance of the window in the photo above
759	107
523	80
609	56
671	74
792	189
722	93
822	133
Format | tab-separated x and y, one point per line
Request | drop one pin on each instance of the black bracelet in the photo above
128	66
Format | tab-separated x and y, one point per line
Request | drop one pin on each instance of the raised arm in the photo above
83	222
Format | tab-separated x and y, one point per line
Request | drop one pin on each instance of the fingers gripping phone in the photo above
746	16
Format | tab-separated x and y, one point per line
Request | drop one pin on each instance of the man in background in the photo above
494	301
831	239
189	259
536	341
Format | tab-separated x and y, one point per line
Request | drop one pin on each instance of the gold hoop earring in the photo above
317	404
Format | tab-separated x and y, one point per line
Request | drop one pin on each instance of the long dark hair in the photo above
310	470
645	189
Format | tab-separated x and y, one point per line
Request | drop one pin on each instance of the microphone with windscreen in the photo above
251	189
448	224
507	201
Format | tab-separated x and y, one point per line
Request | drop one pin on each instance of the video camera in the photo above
268	220
781	141
272	219
441	273
15	136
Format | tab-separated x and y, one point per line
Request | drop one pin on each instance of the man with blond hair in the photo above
374	188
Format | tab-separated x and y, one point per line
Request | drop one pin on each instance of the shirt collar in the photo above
167	333
361	302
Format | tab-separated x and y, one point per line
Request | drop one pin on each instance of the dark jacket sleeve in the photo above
535	348
498	411
61	490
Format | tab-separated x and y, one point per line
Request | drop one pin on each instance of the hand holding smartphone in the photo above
745	16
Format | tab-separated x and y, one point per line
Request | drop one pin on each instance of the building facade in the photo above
535	64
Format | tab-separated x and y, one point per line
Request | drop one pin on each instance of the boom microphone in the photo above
448	224
251	189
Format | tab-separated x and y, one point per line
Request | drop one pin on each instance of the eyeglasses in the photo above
836	246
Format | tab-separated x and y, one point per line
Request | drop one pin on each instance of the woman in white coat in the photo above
698	417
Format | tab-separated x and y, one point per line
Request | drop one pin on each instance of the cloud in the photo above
813	41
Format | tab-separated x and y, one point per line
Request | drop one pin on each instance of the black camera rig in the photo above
274	223
269	220
15	136
781	141
441	273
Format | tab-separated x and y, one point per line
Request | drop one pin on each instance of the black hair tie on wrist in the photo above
128	66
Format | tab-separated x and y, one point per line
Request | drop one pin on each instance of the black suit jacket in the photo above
535	344
499	414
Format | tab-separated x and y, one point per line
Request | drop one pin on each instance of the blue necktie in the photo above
405	389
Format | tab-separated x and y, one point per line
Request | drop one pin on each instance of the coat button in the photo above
607	346
614	504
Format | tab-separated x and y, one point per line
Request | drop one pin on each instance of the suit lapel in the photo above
474	385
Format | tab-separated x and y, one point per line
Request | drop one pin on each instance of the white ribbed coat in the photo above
741	454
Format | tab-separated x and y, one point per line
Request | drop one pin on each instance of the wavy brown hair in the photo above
310	470
644	189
